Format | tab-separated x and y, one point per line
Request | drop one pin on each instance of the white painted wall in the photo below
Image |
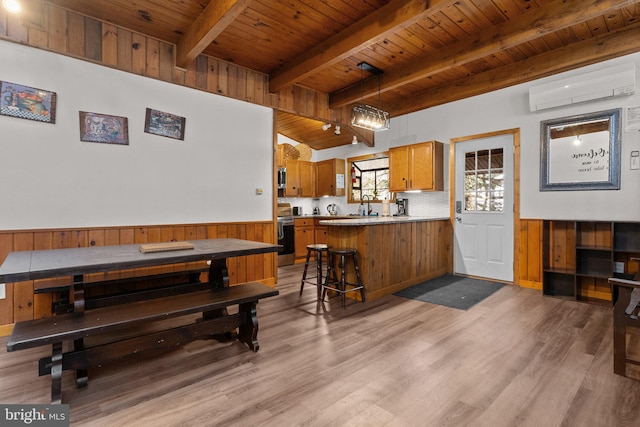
49	178
505	109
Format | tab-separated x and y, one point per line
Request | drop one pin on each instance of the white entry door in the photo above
483	207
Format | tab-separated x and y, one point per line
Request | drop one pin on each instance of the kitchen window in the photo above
369	176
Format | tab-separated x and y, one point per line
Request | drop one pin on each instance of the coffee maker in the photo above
403	207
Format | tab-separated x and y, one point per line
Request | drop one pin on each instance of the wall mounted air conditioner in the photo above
608	83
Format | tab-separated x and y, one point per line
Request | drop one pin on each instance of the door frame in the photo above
515	132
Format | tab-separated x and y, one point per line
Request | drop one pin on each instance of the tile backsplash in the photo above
432	204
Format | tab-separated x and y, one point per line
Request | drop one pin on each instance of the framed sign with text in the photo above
581	152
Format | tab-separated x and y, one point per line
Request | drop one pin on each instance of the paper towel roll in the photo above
385	207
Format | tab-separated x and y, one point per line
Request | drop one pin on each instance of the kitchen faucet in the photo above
368	203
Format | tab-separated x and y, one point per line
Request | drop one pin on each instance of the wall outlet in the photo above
618	267
635	160
3	291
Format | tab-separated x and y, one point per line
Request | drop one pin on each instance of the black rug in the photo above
451	291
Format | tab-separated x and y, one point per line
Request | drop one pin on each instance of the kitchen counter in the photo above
376	220
394	252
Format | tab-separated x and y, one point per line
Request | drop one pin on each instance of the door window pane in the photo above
484	181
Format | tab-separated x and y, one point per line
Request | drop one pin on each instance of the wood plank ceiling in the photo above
430	52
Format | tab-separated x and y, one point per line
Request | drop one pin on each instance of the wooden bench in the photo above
126	289
75	327
622	290
625	314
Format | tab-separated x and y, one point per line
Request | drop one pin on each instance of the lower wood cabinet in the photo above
580	256
320	232
304	235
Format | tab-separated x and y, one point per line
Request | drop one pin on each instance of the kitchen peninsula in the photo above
394	252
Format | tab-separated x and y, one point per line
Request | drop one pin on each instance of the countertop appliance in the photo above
403	207
297	211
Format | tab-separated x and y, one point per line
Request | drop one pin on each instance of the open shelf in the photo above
626	237
580	256
559	284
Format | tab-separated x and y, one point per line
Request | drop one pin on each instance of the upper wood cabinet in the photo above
416	167
330	177
300	179
280	155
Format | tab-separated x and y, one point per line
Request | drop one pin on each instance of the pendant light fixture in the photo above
366	116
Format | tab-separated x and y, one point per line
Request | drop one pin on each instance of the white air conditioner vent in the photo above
608	83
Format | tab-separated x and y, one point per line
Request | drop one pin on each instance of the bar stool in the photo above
318	249
331	278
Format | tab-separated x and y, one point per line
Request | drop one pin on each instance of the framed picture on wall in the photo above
27	102
164	124
95	127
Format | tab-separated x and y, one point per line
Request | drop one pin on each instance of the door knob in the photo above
458	219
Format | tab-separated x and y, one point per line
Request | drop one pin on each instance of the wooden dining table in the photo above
78	262
78	322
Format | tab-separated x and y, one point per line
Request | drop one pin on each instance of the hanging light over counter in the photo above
368	117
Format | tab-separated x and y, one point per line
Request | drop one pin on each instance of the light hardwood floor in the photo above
515	359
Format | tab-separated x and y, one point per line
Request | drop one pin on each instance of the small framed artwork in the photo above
95	127
164	124
27	102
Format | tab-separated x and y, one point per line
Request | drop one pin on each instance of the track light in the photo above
354	140
326	126
337	131
12	6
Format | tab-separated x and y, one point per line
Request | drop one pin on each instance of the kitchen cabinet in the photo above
330	177
300	179
280	155
416	167
320	232
303	235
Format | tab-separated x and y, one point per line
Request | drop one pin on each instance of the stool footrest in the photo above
340	285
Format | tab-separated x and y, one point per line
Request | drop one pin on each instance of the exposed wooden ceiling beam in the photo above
554	16
395	15
217	16
623	41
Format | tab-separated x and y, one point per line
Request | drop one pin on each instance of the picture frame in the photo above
164	124
104	128
27	102
581	152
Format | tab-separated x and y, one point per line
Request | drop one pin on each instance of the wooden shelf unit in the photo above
579	257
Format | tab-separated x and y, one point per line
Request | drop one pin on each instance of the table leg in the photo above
218	273
219	278
248	333
56	373
619	329
82	375
78	292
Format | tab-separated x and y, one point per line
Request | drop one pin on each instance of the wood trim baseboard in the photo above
5	330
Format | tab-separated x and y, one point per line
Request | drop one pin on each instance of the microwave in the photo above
282	178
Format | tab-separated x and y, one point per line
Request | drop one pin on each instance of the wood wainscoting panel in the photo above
21	303
530	253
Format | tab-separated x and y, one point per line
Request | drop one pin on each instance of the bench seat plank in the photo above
66	327
148	344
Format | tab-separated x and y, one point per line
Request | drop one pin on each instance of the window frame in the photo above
350	161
